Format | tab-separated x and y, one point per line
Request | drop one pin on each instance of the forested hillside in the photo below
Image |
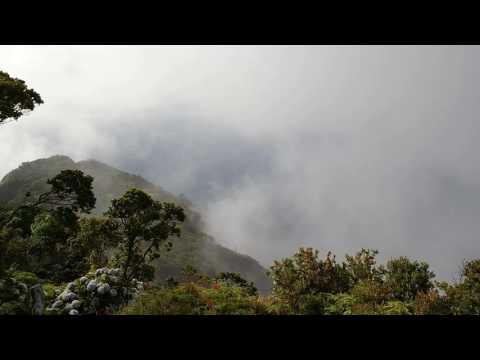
194	247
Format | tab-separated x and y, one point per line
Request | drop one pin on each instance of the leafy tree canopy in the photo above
236	279
305	274
406	278
49	220
142	225
16	98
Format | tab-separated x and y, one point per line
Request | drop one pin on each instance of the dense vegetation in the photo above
57	232
307	285
193	247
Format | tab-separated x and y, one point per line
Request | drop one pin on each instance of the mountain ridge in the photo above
194	247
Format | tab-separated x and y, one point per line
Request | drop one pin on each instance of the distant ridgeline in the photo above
193	248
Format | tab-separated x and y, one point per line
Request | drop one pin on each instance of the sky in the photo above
331	147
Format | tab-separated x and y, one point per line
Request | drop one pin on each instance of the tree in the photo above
362	266
71	191
51	218
406	278
471	274
463	298
16	98
369	295
142	225
431	303
94	238
235	279
49	252
304	275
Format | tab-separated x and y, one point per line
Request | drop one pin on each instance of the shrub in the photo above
340	304
51	291
236	279
315	304
27	278
305	274
370	292
99	292
276	306
430	303
13	297
396	307
194	299
182	300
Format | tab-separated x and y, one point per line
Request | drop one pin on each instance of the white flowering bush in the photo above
98	292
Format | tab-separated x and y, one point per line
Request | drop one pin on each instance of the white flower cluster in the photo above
86	293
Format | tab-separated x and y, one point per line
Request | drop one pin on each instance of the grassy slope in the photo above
194	247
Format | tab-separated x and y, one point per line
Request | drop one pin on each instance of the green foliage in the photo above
52	220
305	285
362	266
431	303
340	304
98	292
13	250
396	307
70	192
471	274
142	225
236	279
463	298
50	252
13	297
305	274
49	228
70	189
51	290
24	218
371	292
182	300
406	278
94	238
231	300
192	247
191	275
25	277
12	308
315	304
275	306
15	97
196	299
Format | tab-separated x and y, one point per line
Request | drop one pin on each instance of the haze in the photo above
333	147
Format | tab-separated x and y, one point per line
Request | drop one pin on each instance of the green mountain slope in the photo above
194	247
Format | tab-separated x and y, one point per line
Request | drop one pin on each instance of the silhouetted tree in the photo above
142	225
16	98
